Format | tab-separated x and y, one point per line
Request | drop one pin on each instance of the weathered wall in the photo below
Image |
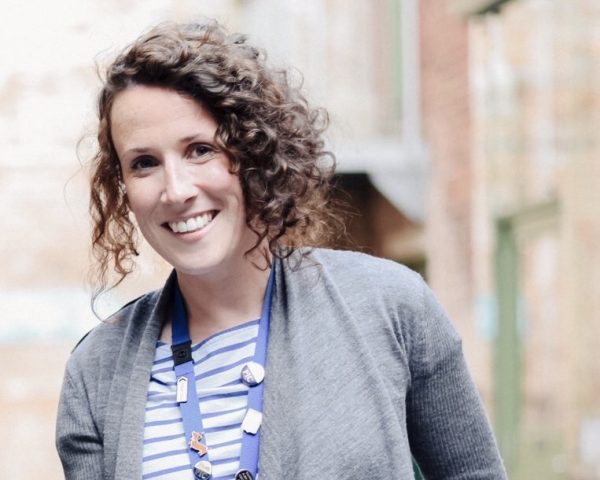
448	133
534	76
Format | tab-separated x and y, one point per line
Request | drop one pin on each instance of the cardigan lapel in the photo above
319	408
135	365
292	285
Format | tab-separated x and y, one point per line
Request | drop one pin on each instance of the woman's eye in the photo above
142	163
201	151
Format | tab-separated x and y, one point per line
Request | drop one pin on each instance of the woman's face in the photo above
187	203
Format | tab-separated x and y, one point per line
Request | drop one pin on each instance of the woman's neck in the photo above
221	302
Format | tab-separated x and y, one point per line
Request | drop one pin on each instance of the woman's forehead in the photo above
142	111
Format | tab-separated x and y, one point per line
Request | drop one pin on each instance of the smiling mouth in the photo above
193	224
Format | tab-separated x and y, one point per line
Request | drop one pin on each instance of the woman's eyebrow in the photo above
135	150
197	136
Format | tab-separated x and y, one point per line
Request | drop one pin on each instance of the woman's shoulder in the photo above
388	290
354	259
121	330
370	273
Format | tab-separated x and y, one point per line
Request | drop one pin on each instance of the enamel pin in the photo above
244	475
203	470
252	374
252	421
196	445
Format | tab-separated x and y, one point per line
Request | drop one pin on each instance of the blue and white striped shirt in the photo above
223	398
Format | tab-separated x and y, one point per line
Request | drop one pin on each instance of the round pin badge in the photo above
203	470
244	475
253	373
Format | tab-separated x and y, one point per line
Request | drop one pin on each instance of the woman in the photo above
222	164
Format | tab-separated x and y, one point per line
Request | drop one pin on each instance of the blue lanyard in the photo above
184	370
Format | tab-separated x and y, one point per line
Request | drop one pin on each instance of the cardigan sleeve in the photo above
449	434
78	441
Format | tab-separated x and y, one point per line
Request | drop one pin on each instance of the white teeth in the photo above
191	224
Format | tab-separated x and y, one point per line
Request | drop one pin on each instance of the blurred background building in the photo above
466	133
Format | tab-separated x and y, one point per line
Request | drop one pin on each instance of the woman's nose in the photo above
179	184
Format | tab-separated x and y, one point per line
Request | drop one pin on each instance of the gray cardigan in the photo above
363	370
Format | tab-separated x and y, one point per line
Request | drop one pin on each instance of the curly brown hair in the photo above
271	134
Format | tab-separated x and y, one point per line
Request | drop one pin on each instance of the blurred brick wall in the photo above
444	38
535	97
